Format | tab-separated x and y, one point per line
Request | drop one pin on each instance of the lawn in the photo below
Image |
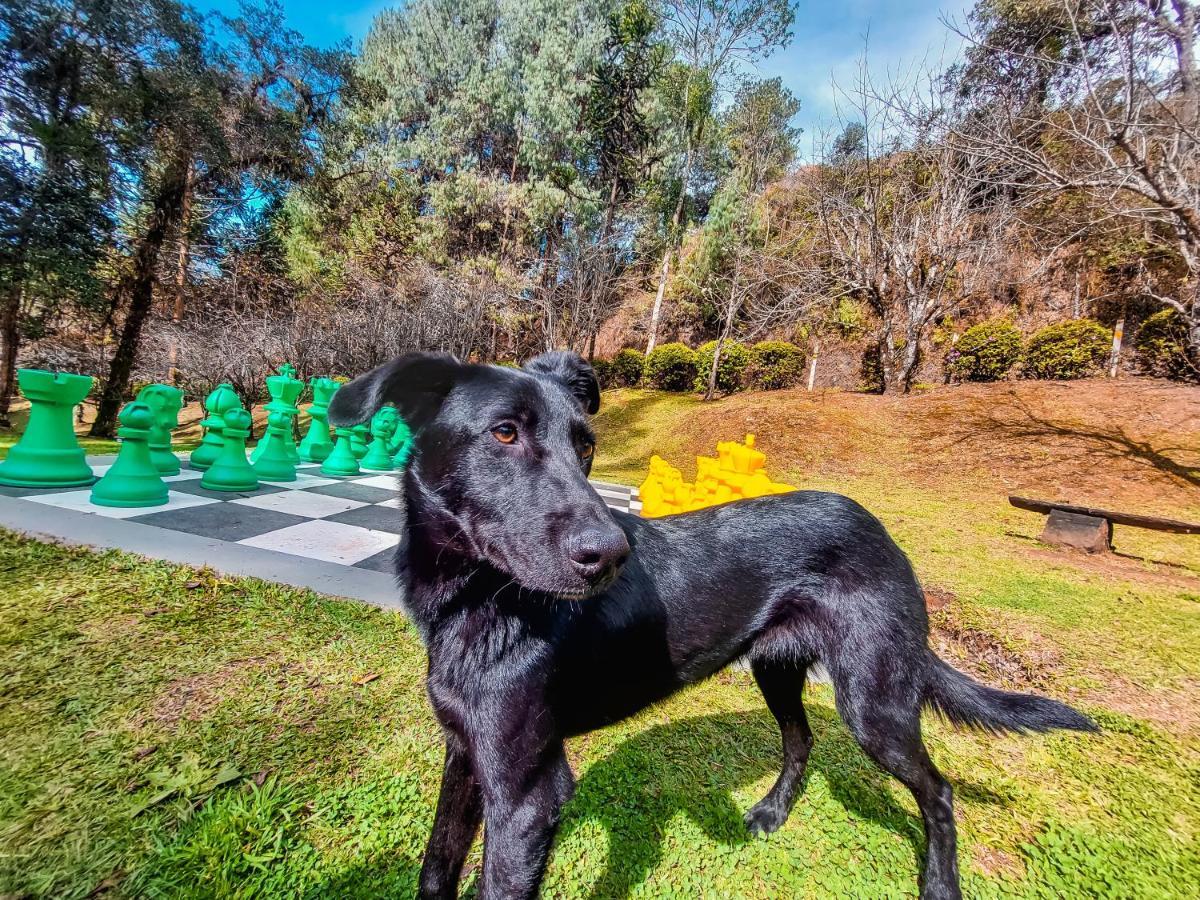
166	732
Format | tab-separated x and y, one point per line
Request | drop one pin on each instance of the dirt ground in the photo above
1132	444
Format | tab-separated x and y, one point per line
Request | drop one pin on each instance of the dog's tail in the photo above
965	701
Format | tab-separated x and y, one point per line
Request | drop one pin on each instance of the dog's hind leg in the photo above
882	709
459	809
782	686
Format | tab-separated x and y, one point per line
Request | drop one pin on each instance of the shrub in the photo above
603	370
1072	349
775	365
985	352
1162	344
626	368
734	359
671	367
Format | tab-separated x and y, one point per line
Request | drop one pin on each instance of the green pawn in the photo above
133	479
341	461
274	464
358	440
165	402
220	401
231	470
318	443
383	426
48	454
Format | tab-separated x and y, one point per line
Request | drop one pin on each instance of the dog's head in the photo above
500	470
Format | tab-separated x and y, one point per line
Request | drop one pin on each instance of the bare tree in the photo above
1111	120
901	224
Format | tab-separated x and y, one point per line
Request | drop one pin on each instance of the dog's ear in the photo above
416	383
572	371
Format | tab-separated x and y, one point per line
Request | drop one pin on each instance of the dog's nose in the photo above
595	551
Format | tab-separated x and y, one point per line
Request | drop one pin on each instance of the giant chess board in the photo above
336	522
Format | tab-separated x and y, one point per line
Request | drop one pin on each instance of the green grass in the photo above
170	733
175	734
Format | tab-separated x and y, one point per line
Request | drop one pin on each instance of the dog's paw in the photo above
765	817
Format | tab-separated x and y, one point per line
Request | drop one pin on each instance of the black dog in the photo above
546	615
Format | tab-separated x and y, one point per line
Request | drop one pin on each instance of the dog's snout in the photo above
596	551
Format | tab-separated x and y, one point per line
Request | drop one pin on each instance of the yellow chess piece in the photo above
738	471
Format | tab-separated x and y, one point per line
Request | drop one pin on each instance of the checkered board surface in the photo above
348	521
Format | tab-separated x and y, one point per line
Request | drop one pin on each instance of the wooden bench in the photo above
1090	529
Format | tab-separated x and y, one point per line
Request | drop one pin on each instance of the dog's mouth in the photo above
588	591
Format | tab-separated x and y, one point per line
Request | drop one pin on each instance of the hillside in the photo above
936	468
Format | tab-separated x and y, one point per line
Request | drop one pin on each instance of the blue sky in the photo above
829	40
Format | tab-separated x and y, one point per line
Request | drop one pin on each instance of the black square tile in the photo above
378	518
193	486
348	490
223	521
8	490
383	561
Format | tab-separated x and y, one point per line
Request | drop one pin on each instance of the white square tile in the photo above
327	541
303	481
392	503
385	481
301	503
81	501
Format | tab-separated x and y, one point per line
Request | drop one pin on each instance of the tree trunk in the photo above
185	221
898	373
10	344
726	329
656	312
138	286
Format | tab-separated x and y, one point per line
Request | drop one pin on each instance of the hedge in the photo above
985	352
1065	350
775	365
732	366
1162	345
671	367
626	367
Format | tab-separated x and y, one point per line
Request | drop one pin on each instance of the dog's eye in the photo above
505	434
586	451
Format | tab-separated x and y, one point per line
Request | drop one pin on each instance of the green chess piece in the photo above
48	454
402	441
318	443
400	435
165	402
341	461
133	480
274	464
358	440
220	401
383	426
285	389
231	470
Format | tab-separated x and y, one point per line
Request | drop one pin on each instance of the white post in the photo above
812	367
1118	333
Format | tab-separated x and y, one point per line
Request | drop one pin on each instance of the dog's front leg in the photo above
459	809
521	813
